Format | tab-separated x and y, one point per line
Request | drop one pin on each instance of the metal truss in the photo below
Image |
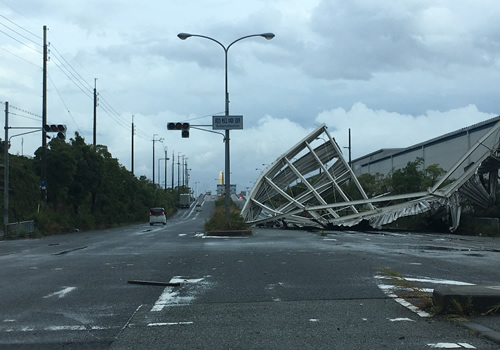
304	187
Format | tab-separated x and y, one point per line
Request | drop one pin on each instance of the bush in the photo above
218	220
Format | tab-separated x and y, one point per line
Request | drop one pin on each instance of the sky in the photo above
395	73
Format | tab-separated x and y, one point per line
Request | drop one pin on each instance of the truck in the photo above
184	200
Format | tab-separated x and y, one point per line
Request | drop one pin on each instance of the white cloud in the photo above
395	73
375	129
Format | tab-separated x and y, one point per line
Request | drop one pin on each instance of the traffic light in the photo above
60	129
183	127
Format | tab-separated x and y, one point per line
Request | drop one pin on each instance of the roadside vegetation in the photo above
86	189
218	220
89	189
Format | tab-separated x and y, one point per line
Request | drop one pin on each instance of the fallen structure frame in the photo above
304	187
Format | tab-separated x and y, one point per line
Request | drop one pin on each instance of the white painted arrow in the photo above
61	293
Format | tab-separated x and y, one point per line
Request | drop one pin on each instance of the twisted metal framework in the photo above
304	187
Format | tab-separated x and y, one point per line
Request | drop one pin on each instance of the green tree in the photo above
88	176
61	169
432	174
408	179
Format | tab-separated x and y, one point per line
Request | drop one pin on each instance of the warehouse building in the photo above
444	150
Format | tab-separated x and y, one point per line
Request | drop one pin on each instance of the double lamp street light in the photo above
184	36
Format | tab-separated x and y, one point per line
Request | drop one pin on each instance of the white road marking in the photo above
436	281
163	324
401	319
57	328
61	293
428	280
171	297
387	289
451	346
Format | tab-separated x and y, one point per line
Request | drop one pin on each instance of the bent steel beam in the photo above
304	187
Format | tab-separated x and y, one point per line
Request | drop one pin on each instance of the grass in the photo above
408	290
494	309
218	220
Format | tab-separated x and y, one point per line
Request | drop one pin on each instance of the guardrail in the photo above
16	229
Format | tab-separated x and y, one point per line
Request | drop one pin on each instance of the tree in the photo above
408	179
88	175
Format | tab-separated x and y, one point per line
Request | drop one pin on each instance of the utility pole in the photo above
178	170
173	169
160	140
6	173
154	158
44	121
350	163
166	159
183	171
133	133
95	111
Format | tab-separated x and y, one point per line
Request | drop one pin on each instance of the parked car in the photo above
157	216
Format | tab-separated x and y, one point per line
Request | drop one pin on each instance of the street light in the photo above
196	188
184	36
159	176
159	140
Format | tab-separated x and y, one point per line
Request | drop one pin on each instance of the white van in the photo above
157	216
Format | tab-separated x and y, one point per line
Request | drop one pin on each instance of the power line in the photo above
72	69
74	81
13	54
26	30
64	103
23	116
20	42
24	111
19	34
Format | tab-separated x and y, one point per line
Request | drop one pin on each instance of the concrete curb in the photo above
481	299
485	331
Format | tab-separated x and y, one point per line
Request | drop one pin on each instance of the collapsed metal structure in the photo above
304	187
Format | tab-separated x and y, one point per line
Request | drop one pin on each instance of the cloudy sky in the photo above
394	72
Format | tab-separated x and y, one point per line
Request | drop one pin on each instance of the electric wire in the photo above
22	58
71	74
20	42
31	20
65	105
24	111
68	64
19	34
73	78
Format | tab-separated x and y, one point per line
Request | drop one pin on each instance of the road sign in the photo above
230	122
221	189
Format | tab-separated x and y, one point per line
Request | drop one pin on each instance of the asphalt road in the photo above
273	290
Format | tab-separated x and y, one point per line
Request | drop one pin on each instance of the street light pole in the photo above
227	168
160	140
